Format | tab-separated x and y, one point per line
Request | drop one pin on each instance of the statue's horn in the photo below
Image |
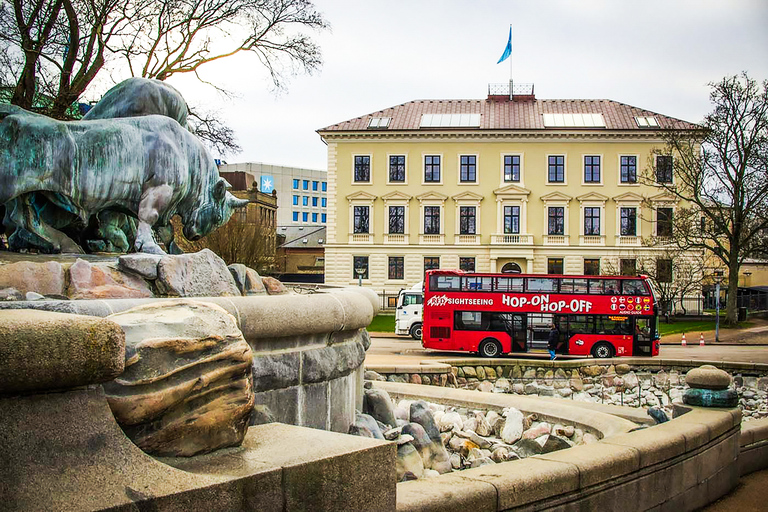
235	202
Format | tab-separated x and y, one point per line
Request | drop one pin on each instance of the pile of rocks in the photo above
133	276
434	439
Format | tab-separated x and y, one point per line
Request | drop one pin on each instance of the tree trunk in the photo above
731	311
24	92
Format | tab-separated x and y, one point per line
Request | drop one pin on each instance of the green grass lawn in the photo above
382	323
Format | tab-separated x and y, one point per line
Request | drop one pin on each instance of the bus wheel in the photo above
602	350
416	331
489	348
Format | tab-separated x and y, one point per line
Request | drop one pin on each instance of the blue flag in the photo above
508	49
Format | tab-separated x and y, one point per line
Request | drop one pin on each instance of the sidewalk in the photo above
756	334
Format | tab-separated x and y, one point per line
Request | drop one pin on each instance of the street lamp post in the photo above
360	271
718	278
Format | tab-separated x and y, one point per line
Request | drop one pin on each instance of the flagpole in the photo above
510	64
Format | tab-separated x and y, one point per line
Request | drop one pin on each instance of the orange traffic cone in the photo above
682	342
701	340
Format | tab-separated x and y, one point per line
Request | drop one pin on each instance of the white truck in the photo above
410	304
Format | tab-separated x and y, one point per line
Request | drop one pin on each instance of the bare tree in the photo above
721	178
674	276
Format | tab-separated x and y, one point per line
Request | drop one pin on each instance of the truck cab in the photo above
410	304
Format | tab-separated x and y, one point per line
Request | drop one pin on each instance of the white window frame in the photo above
370	170
405	155
637	170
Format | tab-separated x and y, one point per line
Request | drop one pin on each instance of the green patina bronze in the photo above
107	181
711	397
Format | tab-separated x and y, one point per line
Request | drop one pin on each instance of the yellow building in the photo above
508	183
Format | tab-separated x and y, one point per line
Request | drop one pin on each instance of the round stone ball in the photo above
708	377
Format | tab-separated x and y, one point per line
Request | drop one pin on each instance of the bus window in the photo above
633	287
501	322
541	284
468	320
509	284
643	328
573	286
475	283
611	286
615	325
581	324
595	286
444	283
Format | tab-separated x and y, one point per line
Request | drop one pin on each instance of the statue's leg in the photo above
32	232
111	230
153	201
165	234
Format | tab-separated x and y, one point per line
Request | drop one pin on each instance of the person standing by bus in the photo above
552	341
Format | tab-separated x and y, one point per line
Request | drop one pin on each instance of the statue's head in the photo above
214	213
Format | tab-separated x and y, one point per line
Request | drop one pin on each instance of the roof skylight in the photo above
646	122
379	122
574	120
449	120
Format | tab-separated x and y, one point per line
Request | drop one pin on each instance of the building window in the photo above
314	217
628	222
361	219
629	169
664	271
664	168
397	168
511	167
397	220
360	263
396	266
664	222
305	185
591	221
591	266
627	267
314	186
511	220
314	201
556	172
556	224
323	217
324	186
295	216
432	169
363	168
304	216
296	184
323	202
591	169
554	265
467	264
296	200
468	168
467	220
431	262
431	220
305	200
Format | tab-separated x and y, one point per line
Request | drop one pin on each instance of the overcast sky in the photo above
657	55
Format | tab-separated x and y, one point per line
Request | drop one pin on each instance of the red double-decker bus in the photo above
495	314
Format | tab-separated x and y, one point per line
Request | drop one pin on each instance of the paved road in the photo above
402	349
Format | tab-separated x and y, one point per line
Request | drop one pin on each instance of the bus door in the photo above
517	328
643	341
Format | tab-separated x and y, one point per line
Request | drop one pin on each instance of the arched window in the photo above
511	268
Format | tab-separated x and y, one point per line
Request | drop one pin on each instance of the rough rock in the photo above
537	431
421	414
526	448
372	375
592	371
480	371
621	369
503	385
451	421
139	263
25	276
455	461
378	404
88	281
518	388
365	426
485	386
433	453
469	371
554	443
273	286
33	296
261	415
415	378
10	294
199	274
490	373
408	461
187	385
513	426
708	377
247	280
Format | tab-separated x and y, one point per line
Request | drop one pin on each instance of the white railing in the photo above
510	239
592	240
395	238
467	239
361	238
556	239
633	241
432	239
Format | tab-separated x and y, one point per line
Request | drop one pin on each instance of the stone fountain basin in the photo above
680	465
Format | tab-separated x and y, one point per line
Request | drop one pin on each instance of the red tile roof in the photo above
511	115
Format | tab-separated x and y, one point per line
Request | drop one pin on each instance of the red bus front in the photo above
494	314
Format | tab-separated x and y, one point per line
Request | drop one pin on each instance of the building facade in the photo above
302	194
509	183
